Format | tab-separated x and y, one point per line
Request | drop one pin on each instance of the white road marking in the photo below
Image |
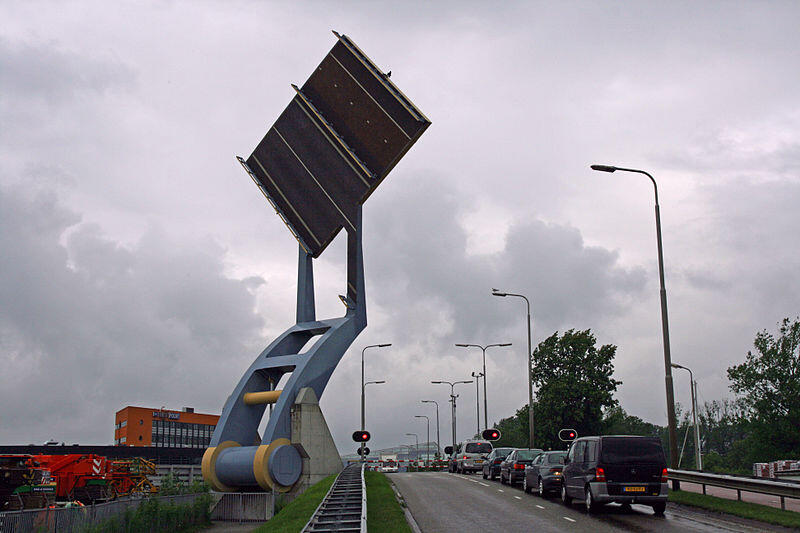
484	484
539	506
517	497
500	490
566	518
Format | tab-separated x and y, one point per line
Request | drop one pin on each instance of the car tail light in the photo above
465	457
599	474
519	466
555	470
497	461
664	475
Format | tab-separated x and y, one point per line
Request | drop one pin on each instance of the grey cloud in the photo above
422	252
91	326
49	73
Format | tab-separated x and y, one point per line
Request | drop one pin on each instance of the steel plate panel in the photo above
325	164
311	162
361	122
304	204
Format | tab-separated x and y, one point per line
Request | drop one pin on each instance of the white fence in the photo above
244	506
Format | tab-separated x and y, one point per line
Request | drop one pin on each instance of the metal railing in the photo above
344	508
76	519
782	489
363	502
244	506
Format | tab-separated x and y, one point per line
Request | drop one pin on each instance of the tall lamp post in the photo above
438	442
673	426
428	442
495	292
478	376
453	397
483	349
416	438
364	386
698	459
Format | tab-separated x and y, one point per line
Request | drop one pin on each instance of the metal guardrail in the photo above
344	508
77	519
739	484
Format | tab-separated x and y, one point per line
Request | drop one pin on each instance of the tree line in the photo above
575	389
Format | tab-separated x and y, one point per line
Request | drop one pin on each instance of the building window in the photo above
123	424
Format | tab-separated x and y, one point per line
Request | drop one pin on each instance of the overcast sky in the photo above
140	266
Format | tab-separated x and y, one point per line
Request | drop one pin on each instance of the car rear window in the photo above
632	450
556	458
527	455
478	447
502	452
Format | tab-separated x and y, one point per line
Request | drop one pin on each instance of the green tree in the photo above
574	385
617	422
768	383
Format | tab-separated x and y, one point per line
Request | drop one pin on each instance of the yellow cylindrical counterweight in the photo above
257	398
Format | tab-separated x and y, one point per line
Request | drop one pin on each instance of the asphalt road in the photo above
443	502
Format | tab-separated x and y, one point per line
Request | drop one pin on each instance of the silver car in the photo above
471	454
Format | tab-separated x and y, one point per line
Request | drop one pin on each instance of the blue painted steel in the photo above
285	465
239	422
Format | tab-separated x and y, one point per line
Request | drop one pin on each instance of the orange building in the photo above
144	426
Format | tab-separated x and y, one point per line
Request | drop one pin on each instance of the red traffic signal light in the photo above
490	434
361	436
567	435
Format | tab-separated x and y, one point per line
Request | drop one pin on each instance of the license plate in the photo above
479	461
634	489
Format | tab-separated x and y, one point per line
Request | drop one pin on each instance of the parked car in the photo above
471	454
512	469
491	466
621	468
451	458
544	473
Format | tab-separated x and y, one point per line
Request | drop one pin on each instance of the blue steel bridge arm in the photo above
235	458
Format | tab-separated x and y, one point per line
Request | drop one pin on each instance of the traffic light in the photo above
567	435
490	434
366	451
361	436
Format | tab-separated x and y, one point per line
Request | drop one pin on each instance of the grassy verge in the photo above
384	514
296	514
753	511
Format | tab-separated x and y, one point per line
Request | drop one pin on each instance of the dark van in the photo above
616	468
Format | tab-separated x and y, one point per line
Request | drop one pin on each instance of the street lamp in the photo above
453	397
673	431
495	292
478	376
416	438
698	460
364	386
428	442
438	442
483	349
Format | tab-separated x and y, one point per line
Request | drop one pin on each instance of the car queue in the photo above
596	470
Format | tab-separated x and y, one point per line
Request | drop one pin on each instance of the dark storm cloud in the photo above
89	326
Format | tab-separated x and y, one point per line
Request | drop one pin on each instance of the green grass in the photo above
297	513
753	511
384	514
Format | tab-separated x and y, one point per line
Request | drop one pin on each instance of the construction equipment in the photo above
24	484
79	477
130	476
